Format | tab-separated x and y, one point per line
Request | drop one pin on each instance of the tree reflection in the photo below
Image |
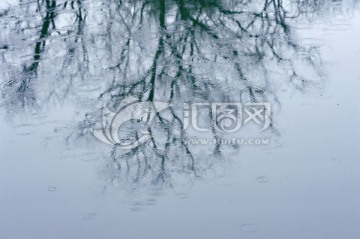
172	51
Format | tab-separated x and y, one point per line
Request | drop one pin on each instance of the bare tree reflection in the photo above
173	51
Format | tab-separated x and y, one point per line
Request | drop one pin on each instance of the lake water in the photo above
179	119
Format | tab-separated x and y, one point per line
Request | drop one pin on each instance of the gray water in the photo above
64	175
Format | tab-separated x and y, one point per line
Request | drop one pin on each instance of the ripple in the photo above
157	193
262	179
5	84
248	228
86	88
90	157
51	189
25	129
224	181
137	206
151	201
338	27
50	122
181	195
85	157
312	41
38	116
89	216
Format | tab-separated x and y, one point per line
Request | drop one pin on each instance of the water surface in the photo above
64	62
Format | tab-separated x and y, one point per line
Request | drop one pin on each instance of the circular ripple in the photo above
248	228
262	179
